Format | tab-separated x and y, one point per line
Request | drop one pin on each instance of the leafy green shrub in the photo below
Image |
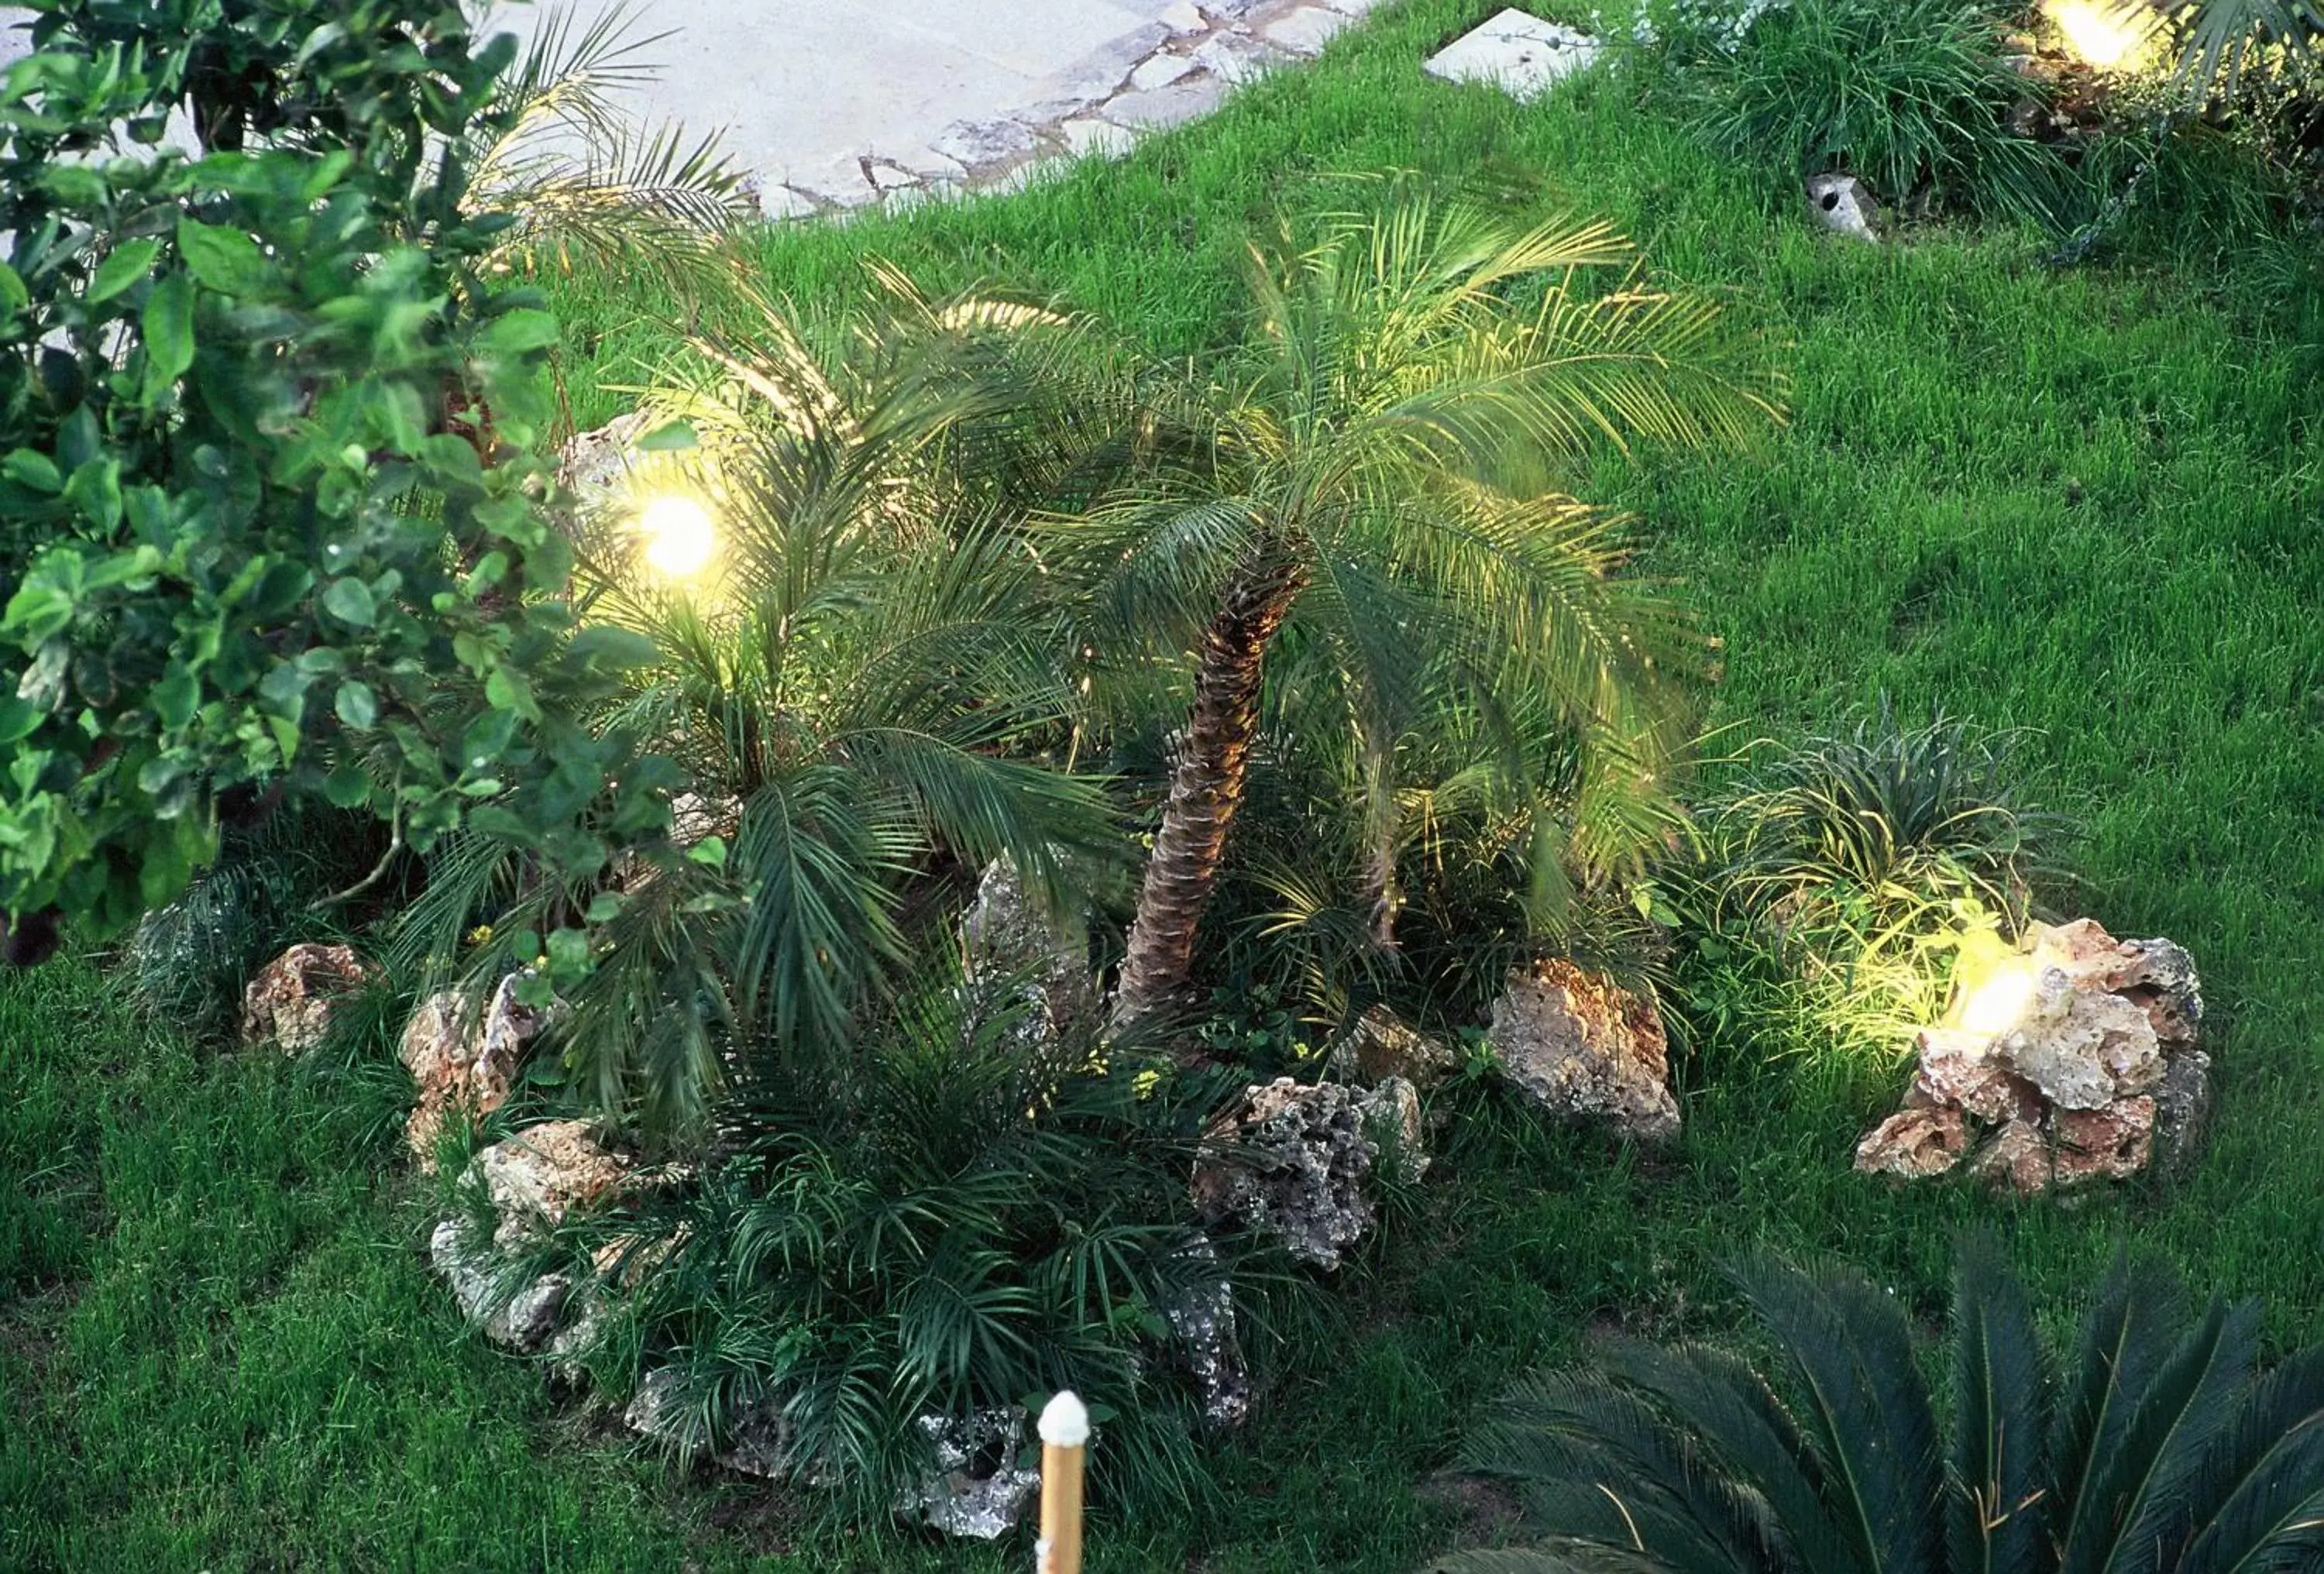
2158	1445
958	1212
1907	93
266	458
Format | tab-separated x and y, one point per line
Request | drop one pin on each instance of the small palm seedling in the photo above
862	690
2156	1448
951	1214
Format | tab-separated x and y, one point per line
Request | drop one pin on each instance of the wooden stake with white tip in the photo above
1065	1440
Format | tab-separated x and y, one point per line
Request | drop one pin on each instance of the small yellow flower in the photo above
481	933
1144	1084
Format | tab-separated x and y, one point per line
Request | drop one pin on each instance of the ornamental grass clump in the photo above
1911	96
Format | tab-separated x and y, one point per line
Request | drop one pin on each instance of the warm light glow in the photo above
2112	35
680	538
2001	999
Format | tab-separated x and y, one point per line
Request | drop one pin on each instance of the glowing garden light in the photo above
2002	998
681	537
2112	35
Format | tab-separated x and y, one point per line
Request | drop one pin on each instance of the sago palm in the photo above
1384	474
2156	1448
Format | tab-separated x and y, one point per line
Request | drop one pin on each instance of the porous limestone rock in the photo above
592	465
462	1062
2081	1067
1520	54
2111	1143
521	1316
980	1487
759	1444
697	816
1006	937
2018	1158
1956	1069
657	1410
1915	1144
1206	1341
1292	1159
2081	1048
541	1176
1844	204
1584	1048
2182	1111
289	1003
533	1181
1382	1046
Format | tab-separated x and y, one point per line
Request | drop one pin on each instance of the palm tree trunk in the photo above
1206	789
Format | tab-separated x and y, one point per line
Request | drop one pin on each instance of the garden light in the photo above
2111	35
2001	999
679	536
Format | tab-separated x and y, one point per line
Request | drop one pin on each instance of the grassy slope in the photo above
2083	504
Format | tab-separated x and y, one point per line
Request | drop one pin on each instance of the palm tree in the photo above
1380	475
860	685
2157	1448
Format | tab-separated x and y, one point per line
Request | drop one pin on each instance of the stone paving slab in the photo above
1519	53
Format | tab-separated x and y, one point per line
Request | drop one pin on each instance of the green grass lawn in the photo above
2082	503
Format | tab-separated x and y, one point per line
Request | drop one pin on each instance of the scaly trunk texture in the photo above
1206	789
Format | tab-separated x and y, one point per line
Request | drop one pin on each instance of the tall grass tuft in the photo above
1840	877
1911	96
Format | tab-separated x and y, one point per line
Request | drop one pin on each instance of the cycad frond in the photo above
1998	1510
2261	1495
2161	1456
2143	1502
1860	1399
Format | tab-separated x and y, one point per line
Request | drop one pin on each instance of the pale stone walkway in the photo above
834	104
837	103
